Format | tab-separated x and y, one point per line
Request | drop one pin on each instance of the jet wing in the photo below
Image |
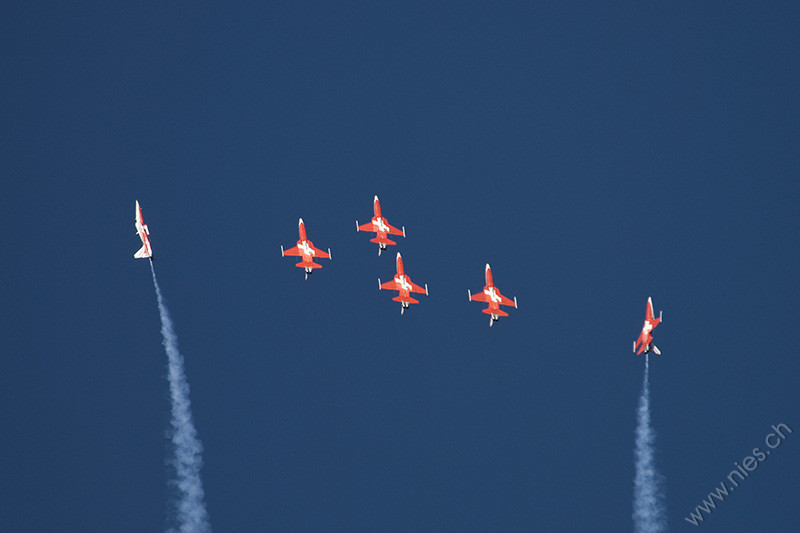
480	297
366	227
505	301
390	285
641	343
417	288
292	251
320	254
395	231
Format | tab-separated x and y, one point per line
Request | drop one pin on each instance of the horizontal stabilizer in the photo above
378	240
406	299
498	312
141	253
308	265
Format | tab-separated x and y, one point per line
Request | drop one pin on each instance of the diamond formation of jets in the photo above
381	227
491	295
305	249
645	340
141	228
403	284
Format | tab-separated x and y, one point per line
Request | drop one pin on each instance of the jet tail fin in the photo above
655	349
141	253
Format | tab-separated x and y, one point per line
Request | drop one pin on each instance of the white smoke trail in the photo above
191	508
648	500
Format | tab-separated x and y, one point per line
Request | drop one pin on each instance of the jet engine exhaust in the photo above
191	510
648	498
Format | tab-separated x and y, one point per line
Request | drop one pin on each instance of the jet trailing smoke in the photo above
648	500
191	510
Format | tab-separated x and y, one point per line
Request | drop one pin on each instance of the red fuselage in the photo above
645	341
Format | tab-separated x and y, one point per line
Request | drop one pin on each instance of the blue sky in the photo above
593	155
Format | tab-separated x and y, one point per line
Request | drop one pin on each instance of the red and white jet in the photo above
307	251
404	285
141	228
491	295
380	226
646	337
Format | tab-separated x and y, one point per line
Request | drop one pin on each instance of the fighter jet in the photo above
307	251
381	227
646	337
141	228
404	285
491	295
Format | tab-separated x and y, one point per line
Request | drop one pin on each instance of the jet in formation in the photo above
645	340
381	227
404	286
141	228
491	295
305	249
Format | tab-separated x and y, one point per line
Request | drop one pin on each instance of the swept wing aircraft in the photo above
381	227
141	228
491	295
404	286
305	249
645	340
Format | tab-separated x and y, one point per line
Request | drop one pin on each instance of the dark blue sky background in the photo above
593	155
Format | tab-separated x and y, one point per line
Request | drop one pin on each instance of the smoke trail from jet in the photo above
191	510
648	500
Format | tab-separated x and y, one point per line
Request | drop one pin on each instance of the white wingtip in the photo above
634	346
515	303
469	295
282	251
404	232
379	283
330	256
357	226
660	315
426	290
